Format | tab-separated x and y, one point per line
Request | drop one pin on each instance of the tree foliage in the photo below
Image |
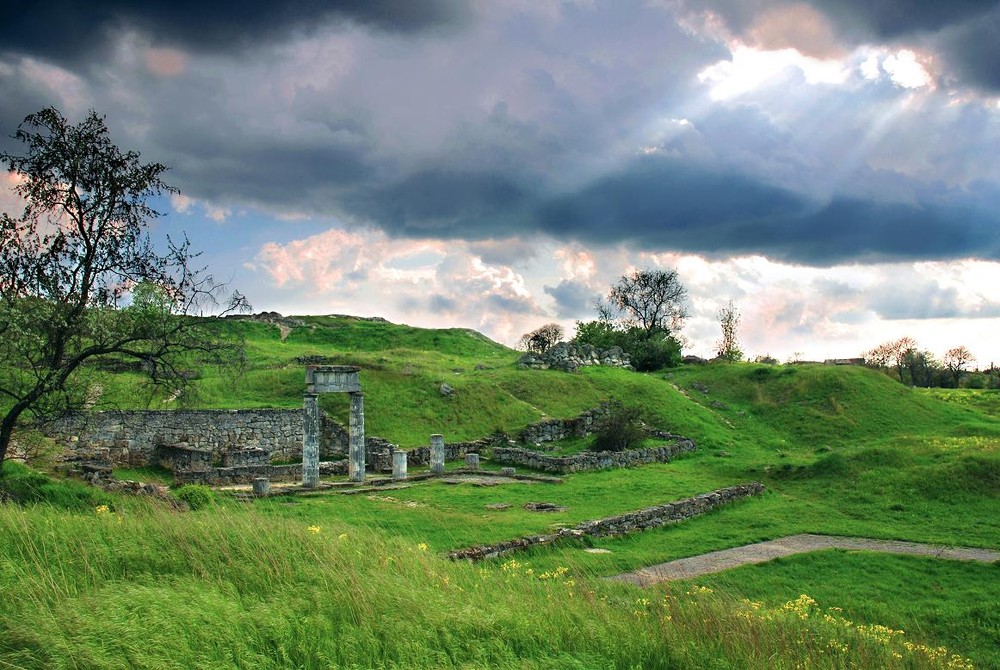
80	278
641	315
651	300
542	339
728	346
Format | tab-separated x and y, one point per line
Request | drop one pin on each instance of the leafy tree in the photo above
599	334
80	279
646	353
728	347
542	339
955	360
642	312
651	300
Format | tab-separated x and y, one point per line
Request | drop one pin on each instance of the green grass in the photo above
228	587
951	594
841	450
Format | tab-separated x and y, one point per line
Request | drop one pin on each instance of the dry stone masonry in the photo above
644	519
570	357
591	460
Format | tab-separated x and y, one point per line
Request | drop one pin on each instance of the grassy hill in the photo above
841	450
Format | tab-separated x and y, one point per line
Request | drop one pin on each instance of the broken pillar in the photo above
437	454
399	465
310	441
356	464
261	486
472	461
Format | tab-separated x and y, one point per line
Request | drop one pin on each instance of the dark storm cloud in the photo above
572	298
70	31
965	32
20	98
663	203
972	49
446	203
897	18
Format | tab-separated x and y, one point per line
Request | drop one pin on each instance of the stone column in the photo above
399	464
472	461
437	454
356	464
310	441
261	486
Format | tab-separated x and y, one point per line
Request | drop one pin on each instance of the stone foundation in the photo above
644	519
591	460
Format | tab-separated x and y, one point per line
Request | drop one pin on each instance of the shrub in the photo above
23	485
620	429
654	354
196	496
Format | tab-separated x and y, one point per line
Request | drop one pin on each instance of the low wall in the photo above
644	519
591	460
453	451
245	474
553	430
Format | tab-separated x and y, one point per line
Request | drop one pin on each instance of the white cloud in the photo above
750	68
905	70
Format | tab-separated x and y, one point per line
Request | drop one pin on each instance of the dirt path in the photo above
717	561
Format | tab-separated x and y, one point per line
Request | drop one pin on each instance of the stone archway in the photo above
332	379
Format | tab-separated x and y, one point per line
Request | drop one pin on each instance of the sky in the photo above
828	165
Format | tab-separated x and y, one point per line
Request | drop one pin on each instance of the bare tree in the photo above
955	360
728	347
894	353
651	300
541	339
80	279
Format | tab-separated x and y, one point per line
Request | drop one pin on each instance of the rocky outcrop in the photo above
570	357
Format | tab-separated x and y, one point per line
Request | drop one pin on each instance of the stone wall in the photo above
644	519
245	474
553	430
133	437
570	357
591	460
453	451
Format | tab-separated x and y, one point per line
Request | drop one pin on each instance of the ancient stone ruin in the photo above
332	379
570	357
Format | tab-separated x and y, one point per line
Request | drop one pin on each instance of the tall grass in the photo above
230	588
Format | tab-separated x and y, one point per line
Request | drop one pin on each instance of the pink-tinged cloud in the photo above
10	201
799	27
430	282
165	62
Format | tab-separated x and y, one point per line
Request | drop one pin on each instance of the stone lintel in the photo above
333	379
